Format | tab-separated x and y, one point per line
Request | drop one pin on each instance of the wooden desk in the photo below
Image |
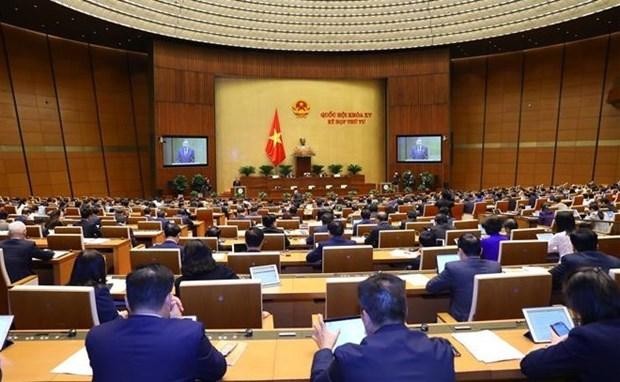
148	237
200	228
267	356
55	271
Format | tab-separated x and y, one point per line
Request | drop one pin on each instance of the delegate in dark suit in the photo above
186	155
287	242
18	255
458	276
316	255
149	348
90	227
382	225
419	152
393	353
570	263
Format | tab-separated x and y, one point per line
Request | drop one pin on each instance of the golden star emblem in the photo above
276	138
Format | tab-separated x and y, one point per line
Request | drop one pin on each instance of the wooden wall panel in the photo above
113	89
467	113
37	110
501	128
607	169
140	90
12	163
78	113
582	86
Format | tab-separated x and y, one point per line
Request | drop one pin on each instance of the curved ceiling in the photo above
354	25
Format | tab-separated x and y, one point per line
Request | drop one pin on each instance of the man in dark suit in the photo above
365	215
441	225
336	230
390	351
19	252
326	218
172	232
90	222
419	151
254	238
186	154
269	227
382	225
458	276
585	242
152	344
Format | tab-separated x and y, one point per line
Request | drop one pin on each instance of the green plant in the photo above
198	182
194	194
332	195
335	168
262	195
354	168
308	195
266	169
285	169
352	193
427	180
317	169
372	192
247	170
180	183
408	180
286	196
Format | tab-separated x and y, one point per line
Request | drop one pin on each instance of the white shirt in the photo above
560	243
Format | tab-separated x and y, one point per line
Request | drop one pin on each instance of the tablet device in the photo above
539	321
351	329
5	325
267	274
443	259
544	236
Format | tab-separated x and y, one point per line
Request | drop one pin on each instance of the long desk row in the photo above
267	356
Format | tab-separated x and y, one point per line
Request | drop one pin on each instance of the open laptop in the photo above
267	274
539	321
5	325
351	329
442	260
544	236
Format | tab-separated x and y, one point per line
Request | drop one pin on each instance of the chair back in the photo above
347	258
430	210
397	217
526	233
609	245
396	238
65	242
6	284
209	241
341	298
168	257
418	226
501	296
154	225
502	205
217	304
615	274
522	252
273	242
480	208
34	231
287	223
71	211
457	211
69	230
428	255
320	237
242	224
466	224
229	231
241	262
206	215
136	219
53	307
539	203
364	229
116	232
453	234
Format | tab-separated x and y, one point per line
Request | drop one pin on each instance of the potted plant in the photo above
286	196
427	180
408	180
308	195
317	169
247	170
335	168
180	184
198	182
353	168
285	170
262	195
266	169
352	193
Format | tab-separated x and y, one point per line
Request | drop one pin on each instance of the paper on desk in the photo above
118	285
234	356
218	256
415	279
95	241
77	364
487	347
404	253
57	254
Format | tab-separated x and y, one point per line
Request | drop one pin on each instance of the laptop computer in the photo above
267	274
351	329
442	260
539	321
5	325
544	236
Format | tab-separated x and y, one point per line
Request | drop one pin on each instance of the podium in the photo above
303	164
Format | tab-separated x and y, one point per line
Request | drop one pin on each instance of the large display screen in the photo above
185	151
418	148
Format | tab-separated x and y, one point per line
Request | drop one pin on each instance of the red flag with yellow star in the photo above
275	145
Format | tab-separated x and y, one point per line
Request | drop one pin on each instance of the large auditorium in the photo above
309	190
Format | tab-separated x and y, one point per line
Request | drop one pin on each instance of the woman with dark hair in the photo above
590	352
491	241
89	269
560	242
198	264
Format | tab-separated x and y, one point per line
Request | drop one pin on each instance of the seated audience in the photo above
458	276
590	352
585	243
560	242
411	217
427	238
509	225
390	351
90	222
326	218
4	225
269	221
89	269
19	252
172	233
441	225
336	230
198	264
214	231
491	242
365	215
382	225
254	238
53	222
152	344
546	215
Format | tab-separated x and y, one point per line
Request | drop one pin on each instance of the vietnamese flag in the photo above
275	145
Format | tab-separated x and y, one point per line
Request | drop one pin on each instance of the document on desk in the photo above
415	279
58	254
487	347
404	253
118	285
77	364
95	240
218	256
